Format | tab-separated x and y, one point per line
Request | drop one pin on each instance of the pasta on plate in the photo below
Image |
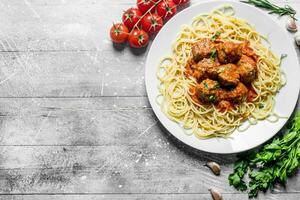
202	84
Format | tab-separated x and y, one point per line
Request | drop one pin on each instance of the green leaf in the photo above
212	98
234	179
205	85
273	146
237	182
213	54
215	36
273	162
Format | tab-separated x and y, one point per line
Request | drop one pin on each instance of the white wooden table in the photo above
75	120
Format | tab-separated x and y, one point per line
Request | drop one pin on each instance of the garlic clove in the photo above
214	167
291	25
216	195
297	38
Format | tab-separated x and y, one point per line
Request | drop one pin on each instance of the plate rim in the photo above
152	101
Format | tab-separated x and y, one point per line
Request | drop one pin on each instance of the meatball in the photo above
235	95
238	94
202	49
228	75
248	51
229	52
207	90
199	74
247	69
208	69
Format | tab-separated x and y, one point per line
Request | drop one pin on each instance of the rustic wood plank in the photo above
100	121
76	74
111	169
57	27
118	169
148	197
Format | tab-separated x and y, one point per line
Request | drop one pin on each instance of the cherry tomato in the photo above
119	33
131	17
152	23
180	2
138	38
166	9
145	5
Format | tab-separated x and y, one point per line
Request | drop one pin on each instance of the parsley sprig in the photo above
281	11
213	54
215	36
274	162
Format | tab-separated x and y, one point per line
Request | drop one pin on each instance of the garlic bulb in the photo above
291	25
297	39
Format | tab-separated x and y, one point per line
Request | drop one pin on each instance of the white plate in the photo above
286	99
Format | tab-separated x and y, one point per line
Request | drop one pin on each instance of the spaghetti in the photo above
205	120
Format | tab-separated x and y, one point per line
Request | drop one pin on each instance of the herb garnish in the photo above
205	85
261	105
286	10
215	36
212	98
273	162
236	178
213	54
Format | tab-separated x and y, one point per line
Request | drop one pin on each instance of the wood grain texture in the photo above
148	197
117	169
71	74
75	122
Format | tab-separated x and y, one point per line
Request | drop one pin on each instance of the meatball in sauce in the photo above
224	71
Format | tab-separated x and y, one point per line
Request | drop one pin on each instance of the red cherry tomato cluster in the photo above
147	18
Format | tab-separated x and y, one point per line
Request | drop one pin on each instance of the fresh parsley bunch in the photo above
272	163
